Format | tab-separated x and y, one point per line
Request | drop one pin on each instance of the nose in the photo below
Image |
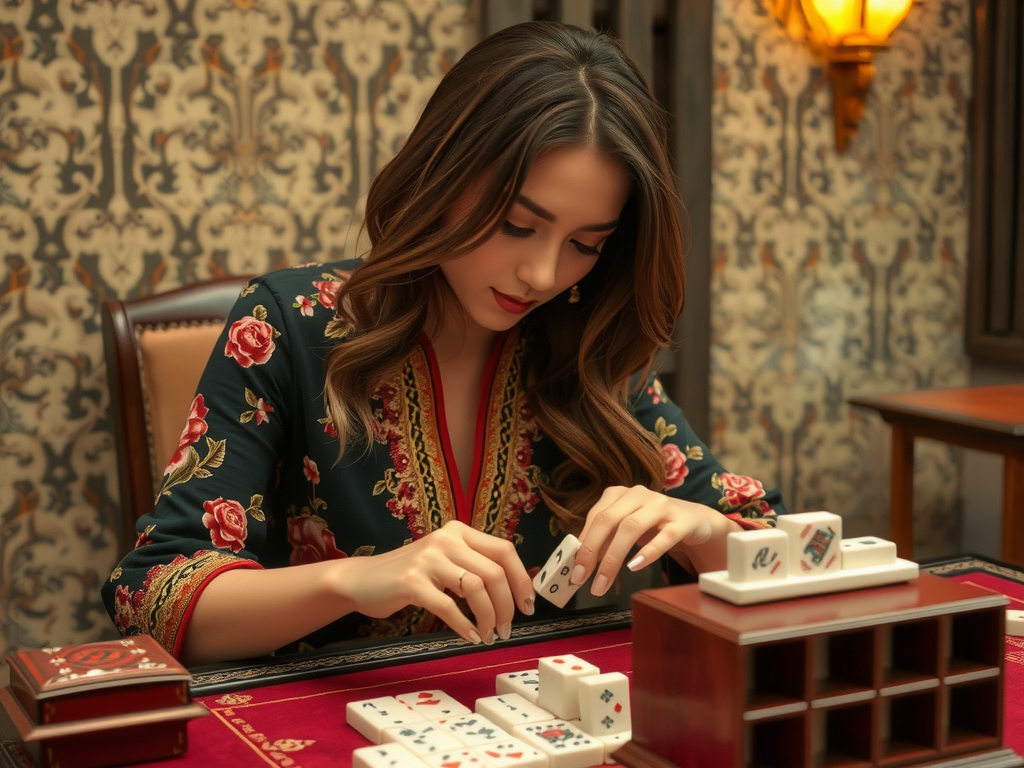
539	267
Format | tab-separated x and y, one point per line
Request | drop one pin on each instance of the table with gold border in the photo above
290	713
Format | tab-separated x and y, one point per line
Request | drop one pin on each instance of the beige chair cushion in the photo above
172	359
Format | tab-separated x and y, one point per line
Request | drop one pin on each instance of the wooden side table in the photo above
987	418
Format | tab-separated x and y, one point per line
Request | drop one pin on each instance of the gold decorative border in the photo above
969	563
208	681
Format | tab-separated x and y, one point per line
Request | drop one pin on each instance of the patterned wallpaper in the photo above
147	144
152	143
838	275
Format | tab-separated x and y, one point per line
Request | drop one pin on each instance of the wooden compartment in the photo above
778	743
777	675
973	714
844	736
899	675
911	653
845	664
909	727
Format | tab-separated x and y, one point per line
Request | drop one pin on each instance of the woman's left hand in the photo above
627	517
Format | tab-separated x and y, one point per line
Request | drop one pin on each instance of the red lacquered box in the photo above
98	704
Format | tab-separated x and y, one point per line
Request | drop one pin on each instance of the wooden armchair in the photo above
156	348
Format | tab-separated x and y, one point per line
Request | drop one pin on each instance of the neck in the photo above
457	339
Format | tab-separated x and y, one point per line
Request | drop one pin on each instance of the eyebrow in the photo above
547	215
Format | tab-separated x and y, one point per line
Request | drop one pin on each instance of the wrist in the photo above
337	581
708	552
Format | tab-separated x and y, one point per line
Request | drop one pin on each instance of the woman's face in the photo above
569	204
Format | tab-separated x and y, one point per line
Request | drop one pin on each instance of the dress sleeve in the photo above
209	513
693	474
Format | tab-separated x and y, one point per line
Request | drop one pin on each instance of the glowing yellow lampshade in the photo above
844	23
852	32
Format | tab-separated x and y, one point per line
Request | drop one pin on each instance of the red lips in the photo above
510	303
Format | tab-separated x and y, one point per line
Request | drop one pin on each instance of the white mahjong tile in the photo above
552	580
558	691
461	758
814	542
565	744
613	744
385	756
525	682
371	716
510	710
433	705
513	753
473	729
423	738
604	704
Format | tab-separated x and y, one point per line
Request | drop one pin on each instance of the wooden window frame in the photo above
995	269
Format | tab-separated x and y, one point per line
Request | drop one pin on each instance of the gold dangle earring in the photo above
574	295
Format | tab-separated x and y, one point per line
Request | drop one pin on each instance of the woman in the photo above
426	425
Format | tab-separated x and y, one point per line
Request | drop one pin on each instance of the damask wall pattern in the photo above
145	144
838	275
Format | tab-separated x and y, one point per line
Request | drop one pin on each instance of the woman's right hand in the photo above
456	559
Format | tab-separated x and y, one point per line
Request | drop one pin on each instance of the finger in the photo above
474	589
603	521
629	530
691	530
608	497
518	586
447	610
486	589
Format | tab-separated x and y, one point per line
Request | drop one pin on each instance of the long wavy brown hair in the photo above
522	92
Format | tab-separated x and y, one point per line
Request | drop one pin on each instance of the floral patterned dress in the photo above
256	481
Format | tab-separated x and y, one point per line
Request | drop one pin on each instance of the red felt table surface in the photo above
1013	677
302	724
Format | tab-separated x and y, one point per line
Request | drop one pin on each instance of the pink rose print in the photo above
305	305
311	540
738	490
195	428
309	469
250	341
675	465
227	523
656	391
327	290
263	410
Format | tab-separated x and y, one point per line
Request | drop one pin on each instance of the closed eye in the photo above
586	250
510	229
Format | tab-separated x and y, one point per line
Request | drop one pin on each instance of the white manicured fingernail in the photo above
474	637
505	630
489	640
528	606
577	575
636	563
600	585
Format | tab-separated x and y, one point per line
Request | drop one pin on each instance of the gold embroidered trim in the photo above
419	485
160	607
507	488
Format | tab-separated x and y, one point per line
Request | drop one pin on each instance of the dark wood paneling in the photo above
995	297
690	76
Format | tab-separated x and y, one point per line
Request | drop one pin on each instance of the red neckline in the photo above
463	495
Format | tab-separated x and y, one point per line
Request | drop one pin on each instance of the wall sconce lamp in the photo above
851	32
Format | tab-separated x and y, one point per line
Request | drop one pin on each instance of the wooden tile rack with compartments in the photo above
900	675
